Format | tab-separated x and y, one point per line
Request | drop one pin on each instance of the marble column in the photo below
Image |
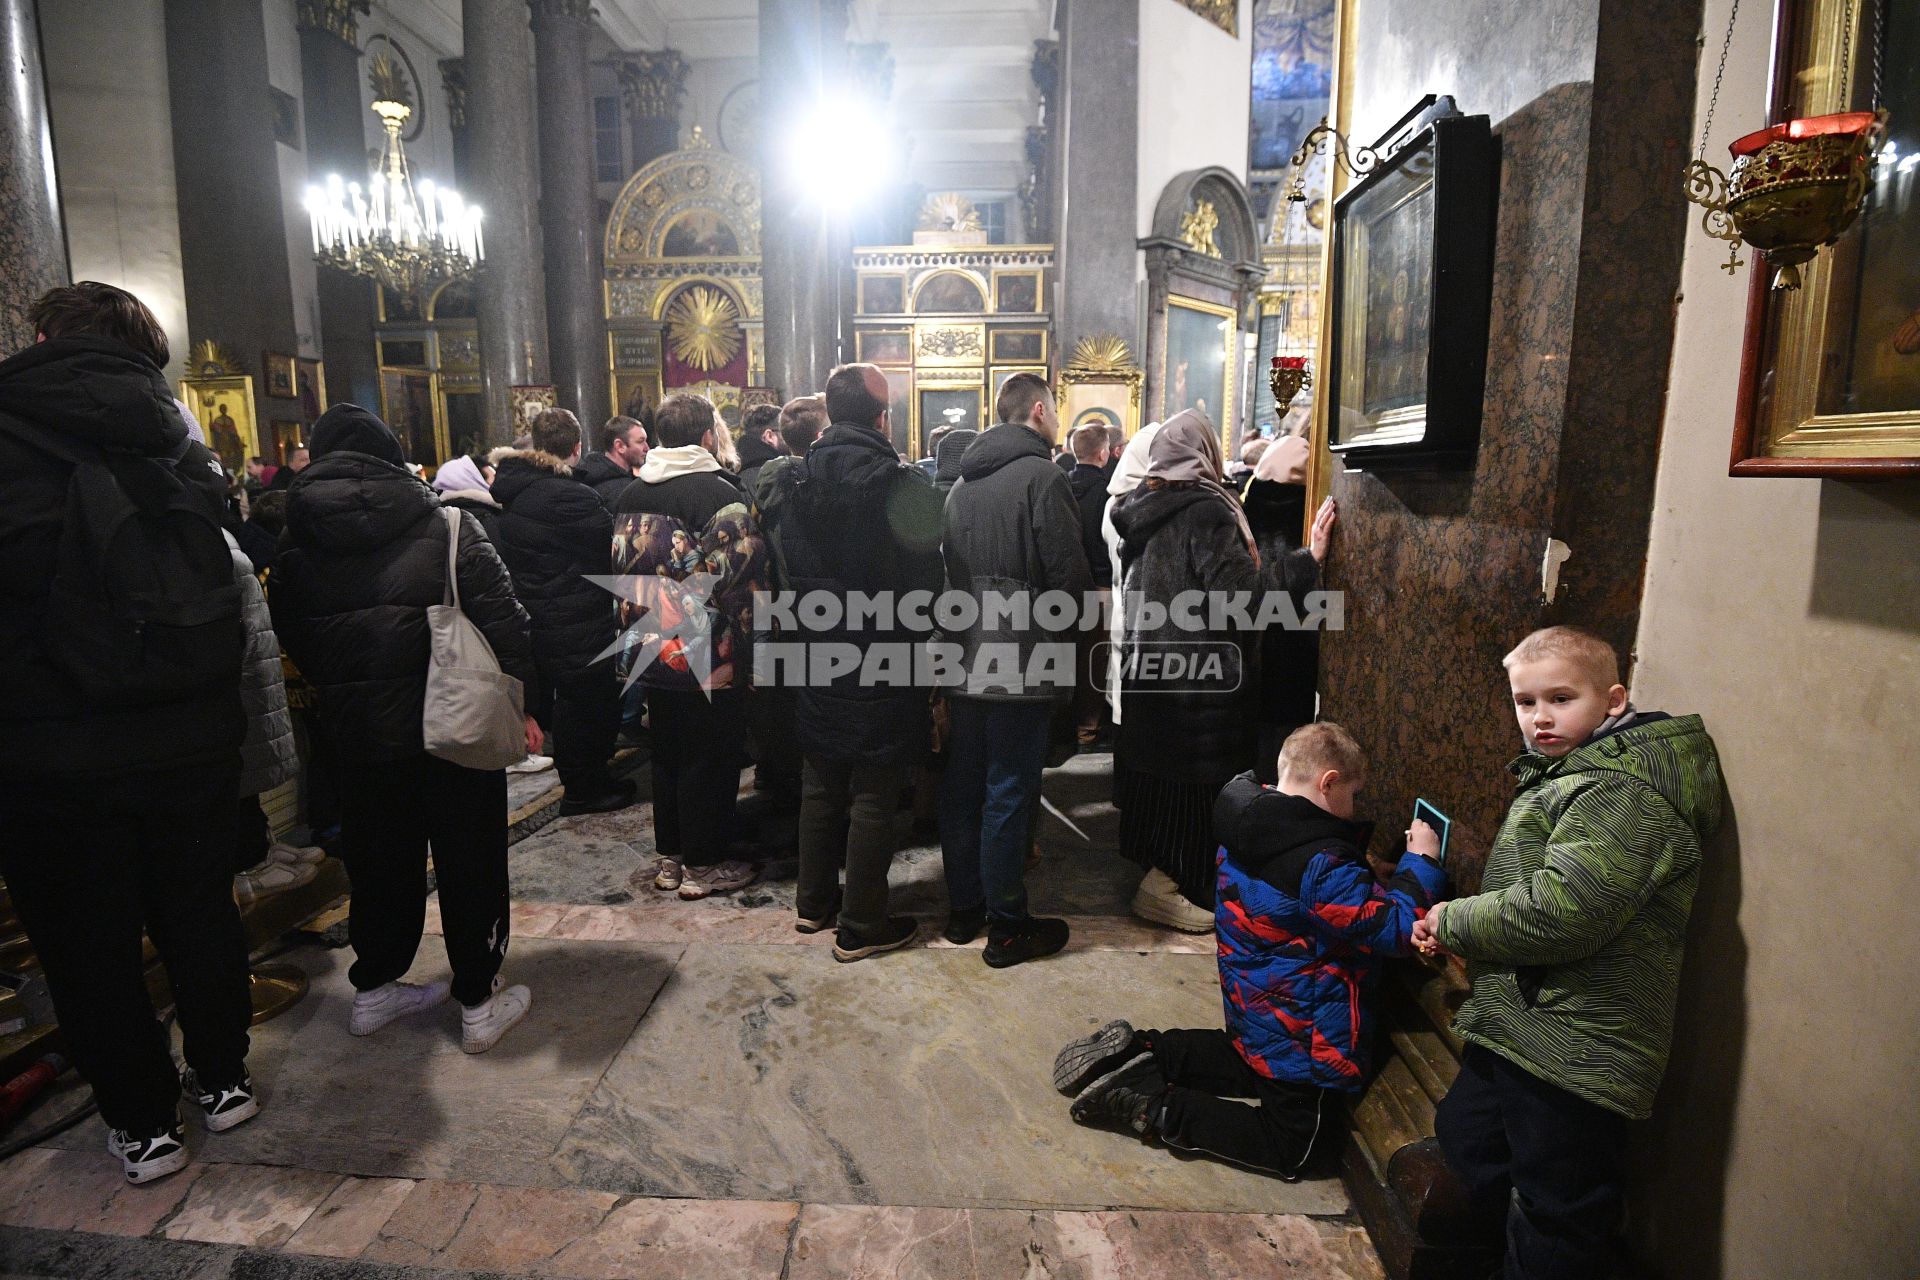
653	84
33	244
511	289
803	251
336	141
1095	262
569	221
453	79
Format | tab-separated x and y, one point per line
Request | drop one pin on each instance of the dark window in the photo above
606	140
993	220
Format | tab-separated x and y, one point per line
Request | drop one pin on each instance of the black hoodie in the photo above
604	476
90	393
363	557
754	454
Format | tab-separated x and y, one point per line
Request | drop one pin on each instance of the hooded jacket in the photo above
555	534
1089	486
849	517
1012	528
1302	926
607	478
1574	942
755	453
267	755
363	557
91	393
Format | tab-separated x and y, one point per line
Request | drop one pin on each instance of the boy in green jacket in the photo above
1573	946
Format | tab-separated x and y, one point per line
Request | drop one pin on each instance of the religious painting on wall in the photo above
287	436
885	346
407	405
1018	346
1200	348
1113	400
949	292
701	233
1830	380
1292	75
224	409
279	383
957	406
1017	292
883	295
310	388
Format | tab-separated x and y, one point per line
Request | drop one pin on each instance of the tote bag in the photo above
474	715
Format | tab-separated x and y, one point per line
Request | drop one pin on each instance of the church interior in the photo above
1564	349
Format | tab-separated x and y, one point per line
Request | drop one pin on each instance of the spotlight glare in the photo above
838	156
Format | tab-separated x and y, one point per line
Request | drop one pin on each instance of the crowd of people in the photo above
623	592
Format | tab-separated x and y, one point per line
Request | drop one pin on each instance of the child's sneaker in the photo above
145	1157
482	1025
1128	1095
223	1106
1092	1056
374	1009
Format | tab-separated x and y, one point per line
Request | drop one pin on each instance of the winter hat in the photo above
349	427
458	473
953	445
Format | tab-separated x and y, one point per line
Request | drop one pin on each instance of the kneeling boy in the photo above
1302	922
1573	946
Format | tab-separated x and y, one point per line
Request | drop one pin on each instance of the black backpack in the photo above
144	607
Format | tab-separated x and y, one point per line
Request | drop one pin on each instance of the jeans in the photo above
846	816
585	721
392	813
252	834
1551	1157
1292	1123
697	746
988	801
92	862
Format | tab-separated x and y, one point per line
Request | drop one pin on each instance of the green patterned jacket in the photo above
1574	942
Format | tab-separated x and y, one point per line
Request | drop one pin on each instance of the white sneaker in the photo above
271	876
1159	899
532	764
296	855
374	1009
482	1025
145	1157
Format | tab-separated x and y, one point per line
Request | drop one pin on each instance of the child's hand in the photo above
1426	938
1423	840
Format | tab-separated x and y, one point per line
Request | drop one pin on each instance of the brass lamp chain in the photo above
1846	57
1714	100
1879	50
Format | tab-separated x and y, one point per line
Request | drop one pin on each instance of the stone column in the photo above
511	292
653	84
33	244
1095	262
802	49
569	221
336	138
453	79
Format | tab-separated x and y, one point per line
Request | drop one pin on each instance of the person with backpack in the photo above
364	557
121	640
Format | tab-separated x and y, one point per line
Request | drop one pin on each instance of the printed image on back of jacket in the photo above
698	634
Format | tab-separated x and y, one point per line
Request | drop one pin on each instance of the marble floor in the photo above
701	1091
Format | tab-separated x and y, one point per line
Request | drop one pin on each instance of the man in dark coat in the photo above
623	448
760	442
1011	528
116	808
363	558
857	519
1088	481
555	538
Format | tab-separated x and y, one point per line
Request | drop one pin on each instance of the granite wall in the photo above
33	251
1590	105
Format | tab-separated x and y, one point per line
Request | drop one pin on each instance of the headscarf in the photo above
349	427
1187	450
458	473
1132	469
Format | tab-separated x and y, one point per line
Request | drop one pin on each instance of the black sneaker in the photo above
849	946
145	1157
1027	939
1092	1056
1128	1095
964	926
224	1106
813	924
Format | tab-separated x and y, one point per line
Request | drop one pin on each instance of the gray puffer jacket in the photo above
267	755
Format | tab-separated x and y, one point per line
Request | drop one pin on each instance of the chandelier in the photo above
387	233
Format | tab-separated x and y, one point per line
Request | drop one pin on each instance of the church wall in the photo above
107	83
1787	612
283	73
1195	83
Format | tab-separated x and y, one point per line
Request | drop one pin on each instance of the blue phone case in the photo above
1422	811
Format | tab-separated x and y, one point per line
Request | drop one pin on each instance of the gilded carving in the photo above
1224	14
961	342
948	211
654	83
1197	227
703	328
335	17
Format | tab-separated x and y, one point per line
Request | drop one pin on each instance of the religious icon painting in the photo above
279	383
224	409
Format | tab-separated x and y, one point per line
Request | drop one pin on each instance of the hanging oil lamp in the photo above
1287	379
1795	187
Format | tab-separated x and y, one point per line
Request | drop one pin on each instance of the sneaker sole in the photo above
228	1119
708	891
1150	909
356	1027
1098	1087
151	1170
804	925
481	1046
845	956
1071	1069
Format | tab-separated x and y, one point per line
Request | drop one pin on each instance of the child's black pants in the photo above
1511	1136
1203	1070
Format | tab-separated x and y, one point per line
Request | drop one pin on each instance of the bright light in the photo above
839	156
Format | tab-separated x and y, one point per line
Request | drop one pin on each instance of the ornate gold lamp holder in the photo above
1795	187
1287	379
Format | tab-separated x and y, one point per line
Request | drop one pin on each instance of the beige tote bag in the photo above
474	715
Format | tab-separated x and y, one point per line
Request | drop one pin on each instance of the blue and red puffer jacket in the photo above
1302	925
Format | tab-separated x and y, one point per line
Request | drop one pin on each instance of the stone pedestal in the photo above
1096	145
33	246
576	316
336	143
652	86
511	292
804	253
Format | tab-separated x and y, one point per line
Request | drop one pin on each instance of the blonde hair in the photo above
1593	656
1311	750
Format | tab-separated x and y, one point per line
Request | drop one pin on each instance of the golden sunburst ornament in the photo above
703	328
210	359
1102	353
949	211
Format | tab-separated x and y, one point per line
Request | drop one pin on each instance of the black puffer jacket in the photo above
553	535
1011	528
604	476
1182	538
1289	660
755	453
1089	485
86	392
363	556
851	516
